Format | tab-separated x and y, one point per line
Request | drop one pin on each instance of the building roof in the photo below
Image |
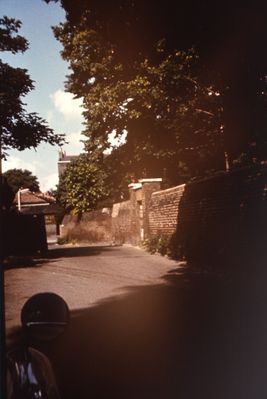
50	209
36	203
30	198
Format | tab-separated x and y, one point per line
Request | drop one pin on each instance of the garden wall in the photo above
91	227
163	210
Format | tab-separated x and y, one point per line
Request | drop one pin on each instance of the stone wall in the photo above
130	218
121	222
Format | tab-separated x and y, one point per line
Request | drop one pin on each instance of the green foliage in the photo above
108	41
10	40
158	244
164	244
18	178
67	239
18	129
82	185
172	119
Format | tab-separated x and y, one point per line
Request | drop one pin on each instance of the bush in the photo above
67	239
151	244
164	244
157	244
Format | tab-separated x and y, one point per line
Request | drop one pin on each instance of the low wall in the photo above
91	227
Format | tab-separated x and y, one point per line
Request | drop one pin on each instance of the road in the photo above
143	326
83	276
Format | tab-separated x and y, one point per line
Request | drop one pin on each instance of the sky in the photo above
48	99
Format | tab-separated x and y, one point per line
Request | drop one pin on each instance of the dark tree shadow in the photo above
21	262
197	334
70	252
39	259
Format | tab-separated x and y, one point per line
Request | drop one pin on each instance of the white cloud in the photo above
49	182
46	181
13	162
74	139
67	105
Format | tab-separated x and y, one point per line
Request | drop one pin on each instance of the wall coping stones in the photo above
169	190
139	184
152	180
135	186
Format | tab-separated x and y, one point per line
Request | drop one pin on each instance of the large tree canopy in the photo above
172	118
18	129
129	60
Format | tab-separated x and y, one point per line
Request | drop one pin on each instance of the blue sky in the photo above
49	100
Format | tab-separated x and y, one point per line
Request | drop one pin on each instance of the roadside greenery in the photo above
82	185
164	244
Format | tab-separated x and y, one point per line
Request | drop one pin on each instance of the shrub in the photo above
151	244
158	244
67	239
164	244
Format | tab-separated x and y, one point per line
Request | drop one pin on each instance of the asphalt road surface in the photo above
143	326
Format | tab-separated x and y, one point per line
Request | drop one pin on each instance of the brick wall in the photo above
224	218
163	210
218	219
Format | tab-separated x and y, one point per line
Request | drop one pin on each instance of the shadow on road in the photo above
17	262
25	261
69	252
196	335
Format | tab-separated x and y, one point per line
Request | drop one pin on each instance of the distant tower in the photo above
64	160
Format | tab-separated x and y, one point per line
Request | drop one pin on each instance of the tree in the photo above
18	129
172	119
82	185
18	178
229	39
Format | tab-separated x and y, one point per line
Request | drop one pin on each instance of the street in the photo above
144	326
83	276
